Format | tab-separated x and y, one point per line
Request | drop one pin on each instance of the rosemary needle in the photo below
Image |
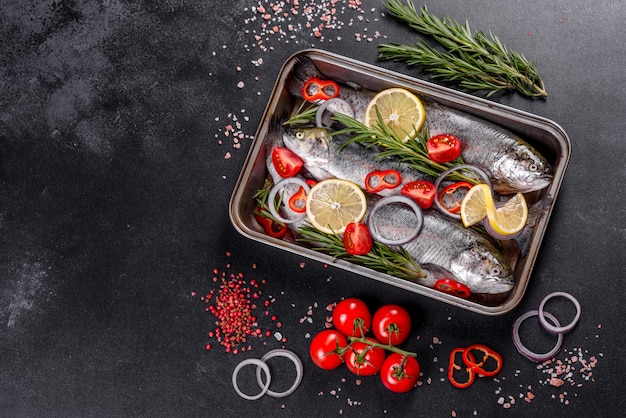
475	61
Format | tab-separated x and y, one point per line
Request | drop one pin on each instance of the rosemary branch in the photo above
381	258
475	61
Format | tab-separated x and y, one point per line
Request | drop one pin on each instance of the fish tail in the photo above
534	214
303	69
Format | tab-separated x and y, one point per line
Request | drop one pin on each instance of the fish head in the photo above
312	145
483	271
521	169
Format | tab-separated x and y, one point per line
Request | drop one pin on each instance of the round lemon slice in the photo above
509	218
332	204
475	204
401	112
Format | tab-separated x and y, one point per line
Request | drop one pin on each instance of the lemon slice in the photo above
332	204
401	111
511	217
474	206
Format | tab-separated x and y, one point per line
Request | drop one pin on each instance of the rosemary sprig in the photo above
302	115
381	258
261	196
475	61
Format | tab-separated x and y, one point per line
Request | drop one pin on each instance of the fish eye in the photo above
533	167
300	135
495	271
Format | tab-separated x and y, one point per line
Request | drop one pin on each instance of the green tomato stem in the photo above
387	347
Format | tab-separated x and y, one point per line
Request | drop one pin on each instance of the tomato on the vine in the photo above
326	349
443	148
400	373
352	318
391	324
363	359
357	239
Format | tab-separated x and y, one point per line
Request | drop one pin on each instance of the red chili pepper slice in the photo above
453	287
316	89
286	162
479	367
455	369
377	181
297	202
422	191
443	148
452	196
272	228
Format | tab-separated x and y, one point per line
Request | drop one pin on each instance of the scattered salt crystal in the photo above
240	84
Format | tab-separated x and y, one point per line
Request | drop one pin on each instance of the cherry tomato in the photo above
352	318
363	359
453	287
400	373
286	163
422	191
452	196
357	239
391	324
326	349
443	148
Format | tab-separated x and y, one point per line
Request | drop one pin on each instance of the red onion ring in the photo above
279	352
264	388
523	350
322	108
479	171
272	196
395	199
558	329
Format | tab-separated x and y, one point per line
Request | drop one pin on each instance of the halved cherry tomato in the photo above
452	196
273	228
456	368
286	163
422	191
327	349
443	148
380	180
399	373
363	359
357	239
483	366
316	89
391	324
453	287
352	318
297	202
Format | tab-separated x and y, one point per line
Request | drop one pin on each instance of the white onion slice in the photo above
479	171
558	329
395	199
324	106
264	388
523	350
272	196
279	352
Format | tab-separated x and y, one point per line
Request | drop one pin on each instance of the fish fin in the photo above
535	212
303	69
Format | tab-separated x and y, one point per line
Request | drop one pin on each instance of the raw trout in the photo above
513	164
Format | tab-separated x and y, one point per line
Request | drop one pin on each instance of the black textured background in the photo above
117	164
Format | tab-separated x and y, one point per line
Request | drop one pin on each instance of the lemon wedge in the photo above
507	219
332	204
401	111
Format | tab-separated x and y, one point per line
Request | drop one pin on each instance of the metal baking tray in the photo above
545	135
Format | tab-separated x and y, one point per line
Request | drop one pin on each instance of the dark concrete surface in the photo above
123	128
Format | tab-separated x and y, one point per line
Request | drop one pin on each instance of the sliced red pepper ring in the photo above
297	202
452	287
315	89
272	228
451	197
377	181
484	366
458	370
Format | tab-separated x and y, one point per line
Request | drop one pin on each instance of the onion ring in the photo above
264	388
272	196
322	108
279	352
395	199
558	329
479	171
523	350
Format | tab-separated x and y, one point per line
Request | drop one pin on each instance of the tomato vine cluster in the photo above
349	342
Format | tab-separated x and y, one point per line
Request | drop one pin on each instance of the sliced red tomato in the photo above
422	191
443	148
286	162
400	373
357	239
452	196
